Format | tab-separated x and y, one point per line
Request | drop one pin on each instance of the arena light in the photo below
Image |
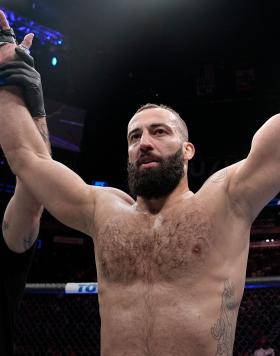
99	183
23	25
274	202
54	61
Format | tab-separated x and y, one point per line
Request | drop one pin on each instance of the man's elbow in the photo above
22	159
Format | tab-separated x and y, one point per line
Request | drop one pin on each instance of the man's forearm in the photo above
19	136
42	127
21	220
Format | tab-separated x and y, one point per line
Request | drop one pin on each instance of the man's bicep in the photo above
62	192
254	182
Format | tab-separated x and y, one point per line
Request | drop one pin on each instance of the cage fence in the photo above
63	319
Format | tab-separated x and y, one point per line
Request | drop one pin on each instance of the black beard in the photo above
156	182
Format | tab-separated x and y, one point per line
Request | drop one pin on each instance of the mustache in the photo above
156	182
147	157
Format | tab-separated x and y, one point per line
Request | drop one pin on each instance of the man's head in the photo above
158	151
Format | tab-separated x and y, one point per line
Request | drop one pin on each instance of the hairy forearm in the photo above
19	136
23	204
23	199
42	127
21	220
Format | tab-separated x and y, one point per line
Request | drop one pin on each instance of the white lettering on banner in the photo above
81	288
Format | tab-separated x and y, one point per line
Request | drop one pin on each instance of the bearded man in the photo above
171	264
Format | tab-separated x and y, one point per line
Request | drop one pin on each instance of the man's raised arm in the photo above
22	216
21	220
256	180
61	191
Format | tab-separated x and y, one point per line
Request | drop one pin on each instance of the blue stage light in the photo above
23	25
99	183
39	244
54	61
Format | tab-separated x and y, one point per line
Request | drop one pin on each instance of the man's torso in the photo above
171	283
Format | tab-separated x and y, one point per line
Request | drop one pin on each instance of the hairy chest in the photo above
168	247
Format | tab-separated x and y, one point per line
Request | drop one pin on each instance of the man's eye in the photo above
159	132
134	137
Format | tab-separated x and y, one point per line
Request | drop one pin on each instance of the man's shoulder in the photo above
226	173
111	195
221	179
218	190
109	202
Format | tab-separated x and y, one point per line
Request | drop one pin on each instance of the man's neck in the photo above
155	205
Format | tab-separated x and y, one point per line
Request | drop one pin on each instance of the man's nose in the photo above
146	142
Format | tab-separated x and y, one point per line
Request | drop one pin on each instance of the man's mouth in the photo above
148	162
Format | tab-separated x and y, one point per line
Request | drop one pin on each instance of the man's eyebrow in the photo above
152	126
133	131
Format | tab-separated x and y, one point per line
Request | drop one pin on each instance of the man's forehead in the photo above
151	116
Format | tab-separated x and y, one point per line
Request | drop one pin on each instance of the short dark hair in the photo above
182	127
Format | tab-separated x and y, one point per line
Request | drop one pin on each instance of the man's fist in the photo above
19	73
8	41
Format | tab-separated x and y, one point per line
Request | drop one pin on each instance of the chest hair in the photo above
136	247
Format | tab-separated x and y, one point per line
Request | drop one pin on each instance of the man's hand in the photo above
20	74
8	43
17	68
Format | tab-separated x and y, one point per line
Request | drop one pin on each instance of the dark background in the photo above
215	62
122	54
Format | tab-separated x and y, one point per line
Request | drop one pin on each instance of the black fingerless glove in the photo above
7	36
23	55
23	74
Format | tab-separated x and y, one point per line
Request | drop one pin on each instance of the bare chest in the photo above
139	247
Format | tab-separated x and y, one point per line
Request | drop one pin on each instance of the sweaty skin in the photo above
171	271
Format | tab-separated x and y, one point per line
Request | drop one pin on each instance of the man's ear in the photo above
189	150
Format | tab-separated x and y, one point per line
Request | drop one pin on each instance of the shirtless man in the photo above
171	264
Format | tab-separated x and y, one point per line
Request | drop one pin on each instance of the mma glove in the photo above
7	36
21	73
